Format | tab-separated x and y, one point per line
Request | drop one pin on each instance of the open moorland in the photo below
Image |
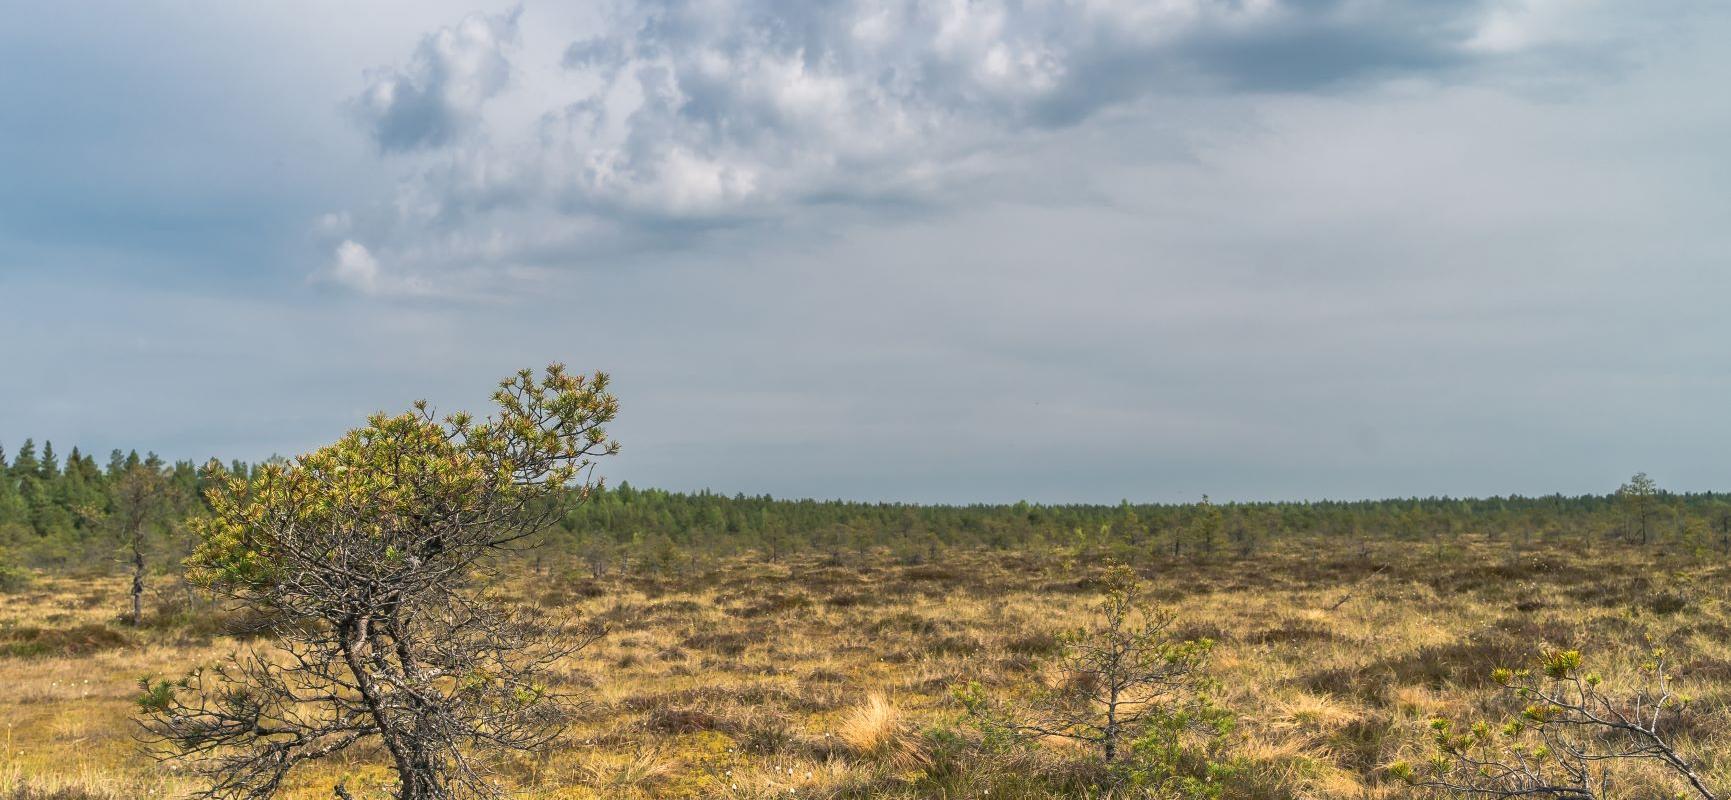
830	675
864	400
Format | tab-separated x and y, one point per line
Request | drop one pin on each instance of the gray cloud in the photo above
1263	250
693	116
438	97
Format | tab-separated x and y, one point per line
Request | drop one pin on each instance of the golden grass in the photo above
876	730
819	678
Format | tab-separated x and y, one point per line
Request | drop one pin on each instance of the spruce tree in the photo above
50	467
25	462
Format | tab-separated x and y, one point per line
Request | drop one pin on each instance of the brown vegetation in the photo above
817	677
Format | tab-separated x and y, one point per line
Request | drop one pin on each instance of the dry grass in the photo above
876	731
817	678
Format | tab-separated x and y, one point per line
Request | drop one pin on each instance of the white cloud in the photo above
439	96
355	268
1513	26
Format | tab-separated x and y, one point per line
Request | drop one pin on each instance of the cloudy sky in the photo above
931	250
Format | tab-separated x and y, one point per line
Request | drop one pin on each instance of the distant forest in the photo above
72	512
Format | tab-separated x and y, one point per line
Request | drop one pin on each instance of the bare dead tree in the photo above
371	555
1564	742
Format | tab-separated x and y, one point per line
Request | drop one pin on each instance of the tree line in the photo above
653	525
78	514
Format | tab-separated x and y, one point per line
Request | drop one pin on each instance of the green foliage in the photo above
371	554
12	578
379	483
1124	678
1640	499
1183	754
721	524
63	515
1206	523
987	716
58	515
155	697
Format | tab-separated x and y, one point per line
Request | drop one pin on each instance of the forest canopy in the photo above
56	512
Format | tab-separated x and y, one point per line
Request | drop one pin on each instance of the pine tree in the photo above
1206	525
1640	496
50	468
142	504
12	507
375	552
25	462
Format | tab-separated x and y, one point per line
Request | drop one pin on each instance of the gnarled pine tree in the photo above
369	554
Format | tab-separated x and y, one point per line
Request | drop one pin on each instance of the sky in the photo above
919	250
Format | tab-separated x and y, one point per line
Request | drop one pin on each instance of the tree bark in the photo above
137	585
1110	734
351	636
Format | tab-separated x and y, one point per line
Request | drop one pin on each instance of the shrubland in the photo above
369	621
815	676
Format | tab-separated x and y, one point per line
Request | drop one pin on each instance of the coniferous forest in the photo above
59	511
